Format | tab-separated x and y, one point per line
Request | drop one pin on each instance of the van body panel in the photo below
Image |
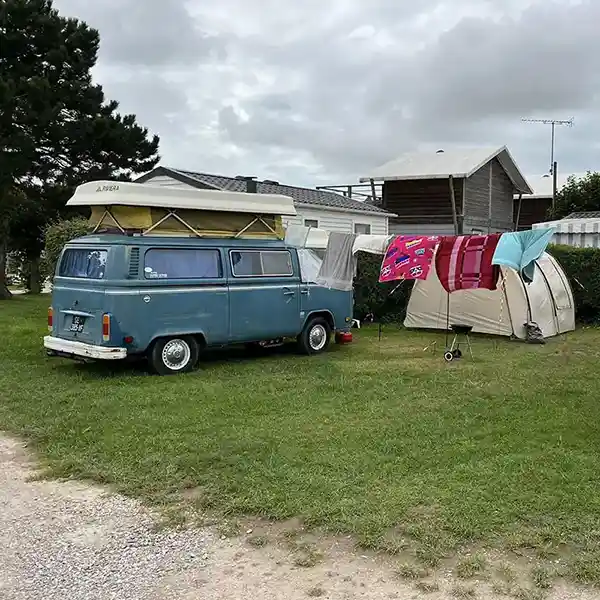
265	306
318	299
262	311
184	309
224	290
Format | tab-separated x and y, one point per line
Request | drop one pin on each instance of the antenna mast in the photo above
553	123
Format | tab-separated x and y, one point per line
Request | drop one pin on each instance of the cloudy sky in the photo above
311	92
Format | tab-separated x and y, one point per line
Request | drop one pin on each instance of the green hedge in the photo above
56	236
376	298
581	265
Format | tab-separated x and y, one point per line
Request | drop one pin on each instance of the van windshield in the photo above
83	262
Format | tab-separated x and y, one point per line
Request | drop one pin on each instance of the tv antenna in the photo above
553	123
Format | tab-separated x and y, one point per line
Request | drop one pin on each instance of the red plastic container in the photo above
343	337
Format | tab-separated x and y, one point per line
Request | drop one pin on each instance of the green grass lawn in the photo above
378	439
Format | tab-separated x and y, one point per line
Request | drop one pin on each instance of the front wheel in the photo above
315	336
174	355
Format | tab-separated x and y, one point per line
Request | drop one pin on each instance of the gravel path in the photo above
73	541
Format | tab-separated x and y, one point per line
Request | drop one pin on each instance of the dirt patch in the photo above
70	539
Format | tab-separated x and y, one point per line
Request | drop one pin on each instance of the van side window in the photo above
261	263
84	263
182	263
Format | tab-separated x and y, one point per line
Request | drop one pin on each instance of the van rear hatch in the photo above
78	296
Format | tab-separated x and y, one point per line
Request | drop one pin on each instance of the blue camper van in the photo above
167	298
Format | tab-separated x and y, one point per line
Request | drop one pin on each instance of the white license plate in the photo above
77	324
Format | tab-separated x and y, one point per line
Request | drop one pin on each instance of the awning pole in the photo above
373	191
518	212
490	198
453	202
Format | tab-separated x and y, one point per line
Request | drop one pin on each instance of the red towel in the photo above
465	262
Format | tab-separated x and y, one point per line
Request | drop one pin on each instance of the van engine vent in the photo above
134	263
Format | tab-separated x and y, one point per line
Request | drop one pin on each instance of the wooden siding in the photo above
422	229
489	208
421	200
477	197
533	210
503	193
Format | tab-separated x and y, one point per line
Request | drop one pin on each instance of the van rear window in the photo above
182	263
83	262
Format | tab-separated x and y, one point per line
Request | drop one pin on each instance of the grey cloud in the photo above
294	90
361	105
157	103
548	59
151	33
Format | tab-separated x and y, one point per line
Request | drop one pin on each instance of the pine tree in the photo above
56	128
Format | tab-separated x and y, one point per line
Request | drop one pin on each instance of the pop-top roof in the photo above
107	193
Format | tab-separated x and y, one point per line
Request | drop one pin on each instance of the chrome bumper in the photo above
72	348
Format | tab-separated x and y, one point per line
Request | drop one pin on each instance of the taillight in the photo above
105	328
50	318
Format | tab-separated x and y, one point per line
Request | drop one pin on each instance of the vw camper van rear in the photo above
167	298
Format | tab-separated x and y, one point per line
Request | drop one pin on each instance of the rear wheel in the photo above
174	355
315	337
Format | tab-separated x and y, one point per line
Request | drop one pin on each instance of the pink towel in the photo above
465	262
408	257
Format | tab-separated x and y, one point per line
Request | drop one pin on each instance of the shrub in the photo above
582	267
57	235
370	296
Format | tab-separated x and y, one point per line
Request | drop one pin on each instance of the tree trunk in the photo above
34	277
4	291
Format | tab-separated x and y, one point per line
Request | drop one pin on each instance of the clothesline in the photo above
462	262
467	261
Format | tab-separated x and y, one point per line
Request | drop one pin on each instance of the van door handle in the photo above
288	292
305	292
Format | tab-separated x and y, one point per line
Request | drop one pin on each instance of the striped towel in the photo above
464	262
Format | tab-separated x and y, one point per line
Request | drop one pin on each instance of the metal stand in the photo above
454	351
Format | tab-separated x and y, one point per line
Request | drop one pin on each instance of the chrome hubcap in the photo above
317	337
176	354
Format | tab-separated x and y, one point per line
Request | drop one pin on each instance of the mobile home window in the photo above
362	228
261	263
83	263
182	263
311	223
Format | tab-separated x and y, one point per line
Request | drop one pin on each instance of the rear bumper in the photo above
71	348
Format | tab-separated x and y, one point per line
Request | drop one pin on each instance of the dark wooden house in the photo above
422	189
534	208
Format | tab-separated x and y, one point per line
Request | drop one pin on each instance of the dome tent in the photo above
548	301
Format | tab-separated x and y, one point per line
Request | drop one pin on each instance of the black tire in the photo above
184	351
315	336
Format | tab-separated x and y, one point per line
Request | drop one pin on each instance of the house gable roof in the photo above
306	196
459	162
